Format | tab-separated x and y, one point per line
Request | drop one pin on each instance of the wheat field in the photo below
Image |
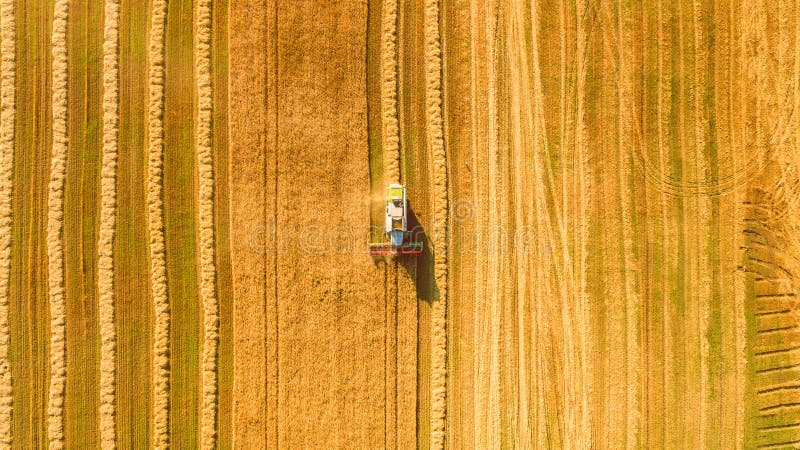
608	194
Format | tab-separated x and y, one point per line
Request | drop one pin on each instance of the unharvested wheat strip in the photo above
108	223
433	102
391	132
7	123
155	201
55	226
208	270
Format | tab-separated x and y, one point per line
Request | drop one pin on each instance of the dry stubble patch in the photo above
205	168
155	200
7	123
55	227
108	223
433	102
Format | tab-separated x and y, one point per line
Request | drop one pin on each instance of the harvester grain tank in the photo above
396	226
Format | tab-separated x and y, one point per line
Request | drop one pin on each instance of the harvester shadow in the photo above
420	267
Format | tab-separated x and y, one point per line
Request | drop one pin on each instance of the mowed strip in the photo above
463	67
385	167
414	170
81	224
180	216
133	316
30	331
220	67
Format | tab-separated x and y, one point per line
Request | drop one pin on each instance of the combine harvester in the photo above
396	226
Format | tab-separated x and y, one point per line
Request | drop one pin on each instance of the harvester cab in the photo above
396	228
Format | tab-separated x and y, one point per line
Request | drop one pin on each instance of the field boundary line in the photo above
208	268
389	67
108	223
7	125
55	228
435	139
155	202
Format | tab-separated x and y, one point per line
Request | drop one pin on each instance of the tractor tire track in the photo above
435	141
773	338
208	269
557	268
517	383
7	125
108	214
55	228
155	200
